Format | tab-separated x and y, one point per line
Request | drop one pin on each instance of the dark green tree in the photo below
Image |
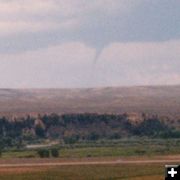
43	153
55	152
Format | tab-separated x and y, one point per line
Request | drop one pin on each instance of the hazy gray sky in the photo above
81	43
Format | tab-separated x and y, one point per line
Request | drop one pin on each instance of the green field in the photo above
125	148
89	172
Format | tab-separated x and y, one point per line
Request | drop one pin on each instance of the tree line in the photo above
71	128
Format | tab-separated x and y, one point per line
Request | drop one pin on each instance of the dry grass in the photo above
21	170
162	100
86	172
148	178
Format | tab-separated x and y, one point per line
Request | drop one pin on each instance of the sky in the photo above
82	44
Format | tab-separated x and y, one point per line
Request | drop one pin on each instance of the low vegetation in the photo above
46	153
103	148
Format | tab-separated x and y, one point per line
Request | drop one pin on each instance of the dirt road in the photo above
101	162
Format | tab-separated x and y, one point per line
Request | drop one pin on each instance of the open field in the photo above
138	168
112	170
116	148
90	172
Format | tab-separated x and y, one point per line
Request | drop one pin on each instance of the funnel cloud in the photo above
77	43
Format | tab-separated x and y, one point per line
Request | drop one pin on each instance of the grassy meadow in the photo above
124	147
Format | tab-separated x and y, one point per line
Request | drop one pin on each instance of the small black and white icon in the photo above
172	172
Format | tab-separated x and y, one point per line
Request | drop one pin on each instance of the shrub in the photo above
43	153
70	140
54	152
